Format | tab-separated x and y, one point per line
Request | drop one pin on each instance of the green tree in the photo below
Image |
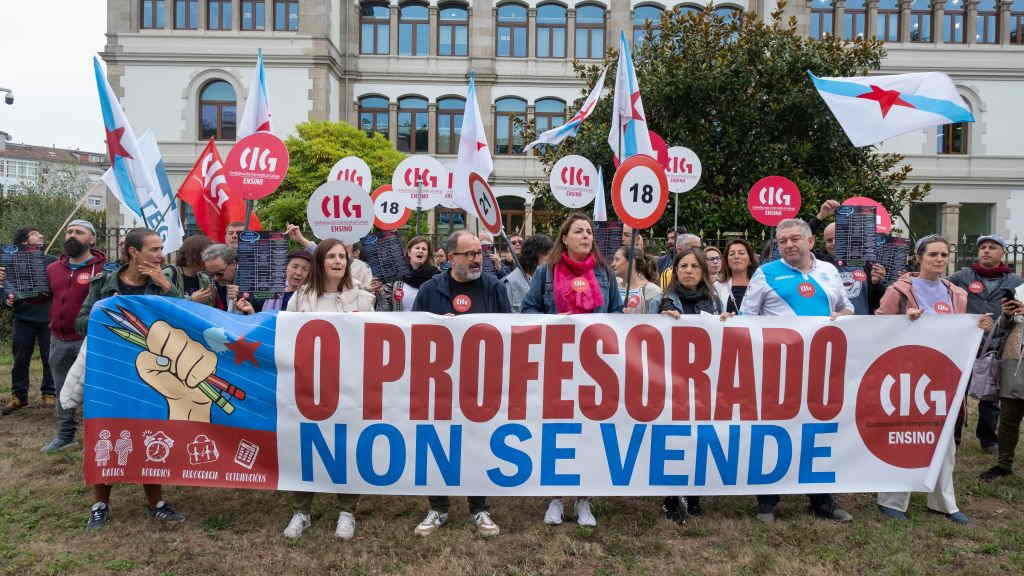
737	93
318	146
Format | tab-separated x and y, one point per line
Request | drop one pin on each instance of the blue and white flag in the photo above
874	108
570	128
256	116
600	208
629	124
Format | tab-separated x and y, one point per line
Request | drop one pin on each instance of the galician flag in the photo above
474	154
629	124
256	116
600	208
570	128
874	108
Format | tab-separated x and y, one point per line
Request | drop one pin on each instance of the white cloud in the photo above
46	50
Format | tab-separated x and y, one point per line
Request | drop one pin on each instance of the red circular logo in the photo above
462	303
806	289
579	284
976	287
859	275
883	221
773	199
942	308
83	278
256	165
904	399
399	294
634	301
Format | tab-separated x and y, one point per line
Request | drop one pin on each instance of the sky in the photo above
46	50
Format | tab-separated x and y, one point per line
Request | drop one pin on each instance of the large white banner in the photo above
530	405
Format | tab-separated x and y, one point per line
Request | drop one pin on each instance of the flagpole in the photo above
78	205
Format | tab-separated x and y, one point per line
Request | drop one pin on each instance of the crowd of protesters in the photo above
564	274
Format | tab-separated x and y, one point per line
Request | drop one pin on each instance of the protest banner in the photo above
262	263
529	405
883	220
25	268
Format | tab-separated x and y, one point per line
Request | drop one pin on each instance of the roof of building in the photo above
55	155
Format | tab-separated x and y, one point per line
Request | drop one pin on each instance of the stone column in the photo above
938	12
393	32
531	33
838	11
871	19
619	18
570	34
432	47
528	218
236	15
432	128
393	122
951	228
971	22
905	20
1003	21
204	12
481	39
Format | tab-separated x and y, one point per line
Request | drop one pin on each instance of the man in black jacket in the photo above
464	289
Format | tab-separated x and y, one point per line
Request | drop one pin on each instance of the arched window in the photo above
921	21
218	14
373	115
854	20
449	124
986	23
548	113
286	14
217	111
729	14
186	14
646	18
154	14
453	30
374	28
953	22
821	18
512	30
590	31
887	25
509	120
953	138
551	21
413	30
254	14
686	9
413	127
1017	22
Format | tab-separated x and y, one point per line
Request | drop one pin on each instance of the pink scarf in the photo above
569	298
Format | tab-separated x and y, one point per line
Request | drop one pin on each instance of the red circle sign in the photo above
640	191
462	303
256	165
942	308
634	301
806	289
579	284
389	212
773	199
883	221
486	204
903	401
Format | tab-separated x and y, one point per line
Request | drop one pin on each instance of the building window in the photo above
512	30
646	20
373	115
413	30
821	18
854	19
449	124
154	13
375	28
921	21
548	113
728	14
509	121
413	127
987	30
1016	22
953	22
551	21
217	111
689	9
974	220
590	32
218	15
925	219
453	31
953	138
186	14
286	14
254	15
887	25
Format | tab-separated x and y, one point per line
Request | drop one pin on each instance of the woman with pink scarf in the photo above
575	280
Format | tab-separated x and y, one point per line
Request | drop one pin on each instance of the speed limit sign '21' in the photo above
640	191
256	165
389	211
485	203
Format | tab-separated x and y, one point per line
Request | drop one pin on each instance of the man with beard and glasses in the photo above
69	283
464	289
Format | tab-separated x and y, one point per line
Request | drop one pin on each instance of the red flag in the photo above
205	189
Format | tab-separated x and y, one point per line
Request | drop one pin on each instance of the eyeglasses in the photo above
472	254
714	258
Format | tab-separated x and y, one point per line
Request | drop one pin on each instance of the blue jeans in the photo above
62	356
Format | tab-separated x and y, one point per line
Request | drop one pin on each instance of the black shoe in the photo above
99	515
674	509
164	512
693	506
994	473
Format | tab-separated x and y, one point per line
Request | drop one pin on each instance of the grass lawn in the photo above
44	505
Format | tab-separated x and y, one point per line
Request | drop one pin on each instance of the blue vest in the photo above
801	291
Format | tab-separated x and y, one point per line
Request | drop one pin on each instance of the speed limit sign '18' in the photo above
389	211
640	191
485	203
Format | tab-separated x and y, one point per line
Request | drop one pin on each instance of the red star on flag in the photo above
114	147
634	102
480	145
583	112
244	350
886	99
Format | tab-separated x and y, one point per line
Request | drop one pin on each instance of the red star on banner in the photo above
244	350
634	101
886	99
583	112
114	147
480	145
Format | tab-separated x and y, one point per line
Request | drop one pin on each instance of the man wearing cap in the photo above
988	281
69	279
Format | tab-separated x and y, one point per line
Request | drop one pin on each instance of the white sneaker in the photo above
299	522
584	517
484	525
346	526
433	521
553	516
